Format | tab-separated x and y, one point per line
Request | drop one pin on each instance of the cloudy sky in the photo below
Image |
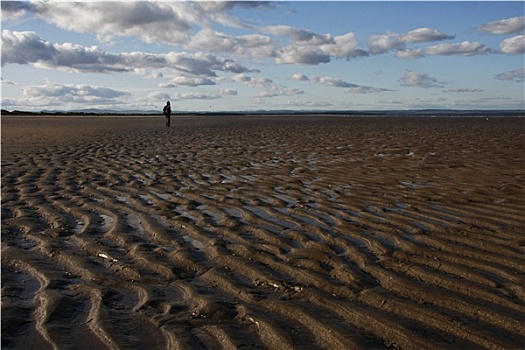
299	55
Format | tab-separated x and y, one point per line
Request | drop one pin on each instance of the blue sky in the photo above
239	56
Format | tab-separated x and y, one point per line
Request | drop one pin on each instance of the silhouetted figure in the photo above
167	113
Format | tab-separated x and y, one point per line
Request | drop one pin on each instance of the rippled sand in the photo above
262	232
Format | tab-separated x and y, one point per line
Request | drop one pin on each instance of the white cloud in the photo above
187	81
276	91
299	36
420	35
464	48
344	46
14	9
168	22
73	93
311	48
410	53
204	96
302	55
329	81
244	45
422	80
158	96
516	75
299	77
504	26
202	64
259	82
378	44
28	48
514	45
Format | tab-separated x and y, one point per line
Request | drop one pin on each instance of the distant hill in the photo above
81	112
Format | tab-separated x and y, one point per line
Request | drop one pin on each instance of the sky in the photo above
256	55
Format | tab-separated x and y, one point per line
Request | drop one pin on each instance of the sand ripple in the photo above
277	233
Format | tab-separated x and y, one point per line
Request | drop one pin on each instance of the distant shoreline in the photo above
392	113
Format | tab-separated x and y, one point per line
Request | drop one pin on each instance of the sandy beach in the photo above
263	232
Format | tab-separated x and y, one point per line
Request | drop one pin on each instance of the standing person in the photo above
167	113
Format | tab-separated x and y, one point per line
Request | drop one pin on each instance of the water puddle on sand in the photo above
290	202
79	226
164	196
332	196
217	216
266	216
210	179
122	199
227	178
420	226
145	198
234	212
134	222
31	285
194	242
139	179
107	222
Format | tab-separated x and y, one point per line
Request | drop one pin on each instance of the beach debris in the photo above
279	285
107	257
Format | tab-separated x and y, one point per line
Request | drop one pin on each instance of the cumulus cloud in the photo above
276	91
187	81
254	45
258	82
15	9
336	82
168	22
516	75
74	93
202	64
218	11
504	26
302	55
158	96
378	44
204	96
514	45
311	48
416	79
420	35
464	48
28	48
299	36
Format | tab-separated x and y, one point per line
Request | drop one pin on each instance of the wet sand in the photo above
263	232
